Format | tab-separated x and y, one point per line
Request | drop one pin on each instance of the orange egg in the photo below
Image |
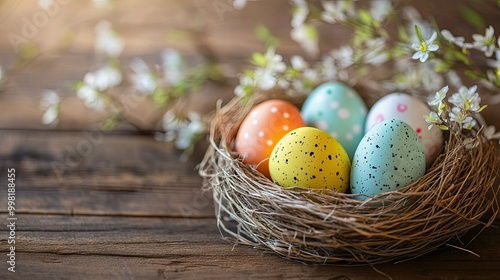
261	130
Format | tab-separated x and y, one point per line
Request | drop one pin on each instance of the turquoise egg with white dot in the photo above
337	109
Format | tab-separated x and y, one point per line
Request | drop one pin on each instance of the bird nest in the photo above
328	227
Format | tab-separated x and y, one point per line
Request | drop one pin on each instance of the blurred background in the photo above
52	48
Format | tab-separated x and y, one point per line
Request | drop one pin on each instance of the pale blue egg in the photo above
389	157
338	110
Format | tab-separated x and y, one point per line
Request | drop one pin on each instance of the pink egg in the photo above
411	110
261	130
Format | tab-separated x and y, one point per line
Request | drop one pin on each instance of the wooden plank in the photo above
83	247
80	173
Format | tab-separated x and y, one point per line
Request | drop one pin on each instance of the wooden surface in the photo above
126	207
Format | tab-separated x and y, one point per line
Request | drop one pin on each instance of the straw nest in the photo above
328	227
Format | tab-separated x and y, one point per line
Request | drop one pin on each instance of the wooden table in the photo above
120	205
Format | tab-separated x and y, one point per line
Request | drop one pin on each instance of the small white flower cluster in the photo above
171	72
239	4
269	67
51	103
488	44
465	103
424	48
183	131
94	83
303	33
108	43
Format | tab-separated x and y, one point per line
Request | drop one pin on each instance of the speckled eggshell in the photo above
262	128
339	110
390	156
411	110
310	158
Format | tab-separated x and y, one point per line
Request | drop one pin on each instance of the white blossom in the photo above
380	9
265	78
274	61
102	3
181	130
412	15
466	98
108	42
459	41
424	48
91	97
494	63
246	82
50	102
328	68
298	63
468	123
453	78
45	4
485	43
300	12
306	36
432	119
173	66
438	100
239	4
376	54
104	78
490	133
143	79
334	11
343	56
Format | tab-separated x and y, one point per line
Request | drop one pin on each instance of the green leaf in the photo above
311	31
28	52
471	74
482	108
403	35
418	31
442	67
472	17
361	35
365	17
266	36
160	96
111	123
361	71
443	127
259	59
77	85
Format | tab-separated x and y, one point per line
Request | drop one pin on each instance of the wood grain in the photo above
109	247
93	173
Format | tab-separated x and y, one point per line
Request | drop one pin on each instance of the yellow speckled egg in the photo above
310	158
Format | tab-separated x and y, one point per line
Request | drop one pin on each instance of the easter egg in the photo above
311	158
262	128
390	156
339	110
411	110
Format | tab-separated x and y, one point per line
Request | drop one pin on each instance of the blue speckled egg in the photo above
390	156
338	110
